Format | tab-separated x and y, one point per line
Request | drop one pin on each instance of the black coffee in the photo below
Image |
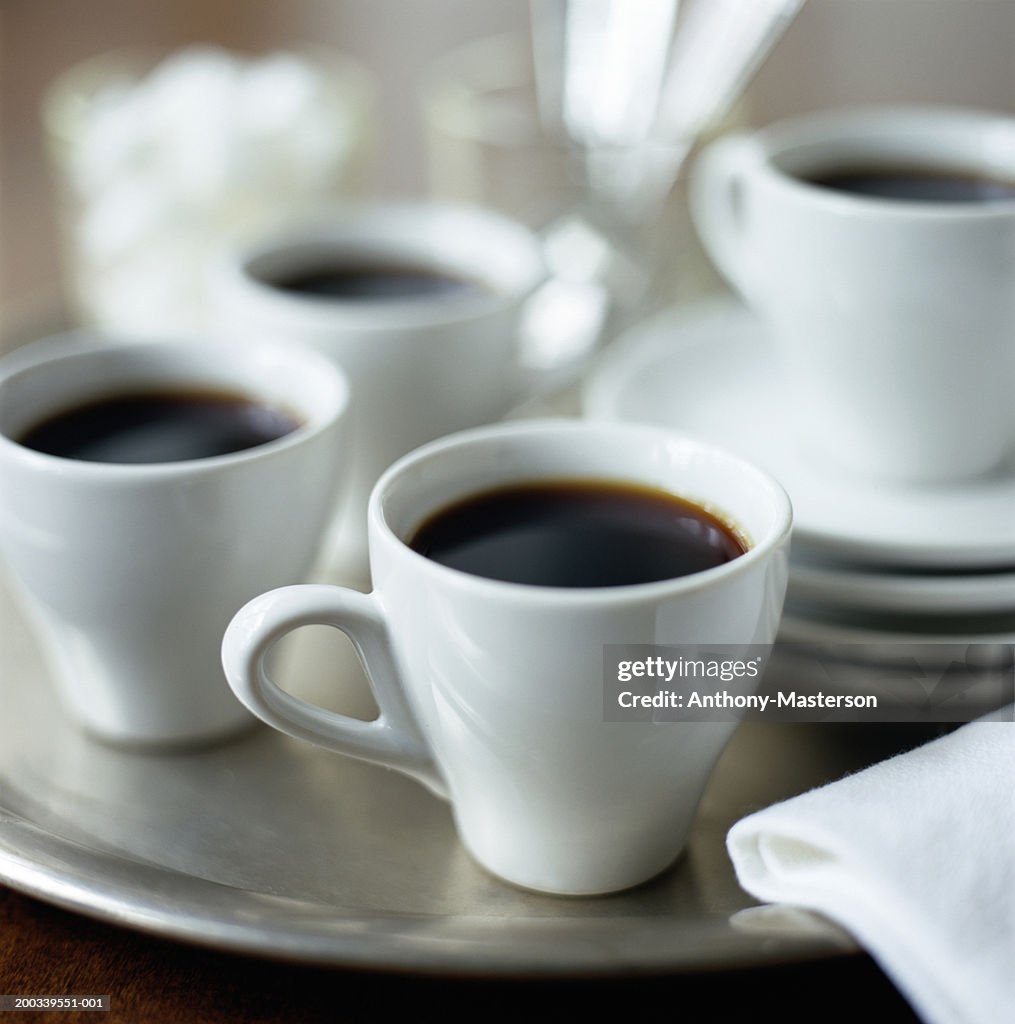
378	282
915	184
159	426
577	534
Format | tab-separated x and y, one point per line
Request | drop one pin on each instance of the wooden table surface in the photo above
45	950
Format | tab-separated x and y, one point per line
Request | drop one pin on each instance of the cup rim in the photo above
528	593
326	228
883	122
85	344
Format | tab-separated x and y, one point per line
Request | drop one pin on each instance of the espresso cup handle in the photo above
716	196
393	739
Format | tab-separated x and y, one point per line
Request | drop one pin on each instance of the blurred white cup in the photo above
419	366
894	319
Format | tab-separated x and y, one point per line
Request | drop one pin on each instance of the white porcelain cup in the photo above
491	693
894	319
419	368
131	572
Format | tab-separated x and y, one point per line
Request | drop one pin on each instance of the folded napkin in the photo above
916	858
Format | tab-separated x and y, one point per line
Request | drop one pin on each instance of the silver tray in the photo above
270	846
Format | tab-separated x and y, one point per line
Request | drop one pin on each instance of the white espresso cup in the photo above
131	572
420	366
894	319
491	693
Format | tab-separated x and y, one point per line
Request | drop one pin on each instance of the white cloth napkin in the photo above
915	857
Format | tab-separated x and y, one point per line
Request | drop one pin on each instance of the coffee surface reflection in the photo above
915	184
377	282
159	426
576	533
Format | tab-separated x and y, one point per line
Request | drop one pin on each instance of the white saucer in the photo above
934	593
873	636
899	665
707	370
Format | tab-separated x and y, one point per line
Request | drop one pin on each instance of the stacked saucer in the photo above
873	564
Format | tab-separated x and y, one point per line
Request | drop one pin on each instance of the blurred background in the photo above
837	51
